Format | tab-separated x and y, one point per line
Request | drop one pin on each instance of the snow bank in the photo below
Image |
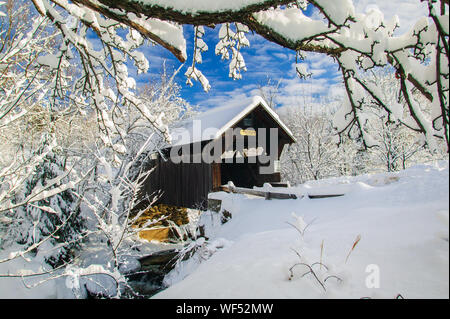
35	287
401	218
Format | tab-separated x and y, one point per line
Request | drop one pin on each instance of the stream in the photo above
148	281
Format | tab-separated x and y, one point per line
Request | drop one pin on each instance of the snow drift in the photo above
401	220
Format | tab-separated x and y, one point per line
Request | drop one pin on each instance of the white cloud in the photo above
223	97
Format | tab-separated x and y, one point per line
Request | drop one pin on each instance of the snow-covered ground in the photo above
401	218
29	287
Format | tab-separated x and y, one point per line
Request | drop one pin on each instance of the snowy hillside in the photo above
401	218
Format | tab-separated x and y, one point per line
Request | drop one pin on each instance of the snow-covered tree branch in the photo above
358	41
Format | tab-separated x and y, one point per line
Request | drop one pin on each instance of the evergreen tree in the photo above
58	214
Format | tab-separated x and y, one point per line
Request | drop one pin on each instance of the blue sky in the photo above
266	60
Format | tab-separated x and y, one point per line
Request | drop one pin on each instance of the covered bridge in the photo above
246	133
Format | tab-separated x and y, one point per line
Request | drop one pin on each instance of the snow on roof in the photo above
213	123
